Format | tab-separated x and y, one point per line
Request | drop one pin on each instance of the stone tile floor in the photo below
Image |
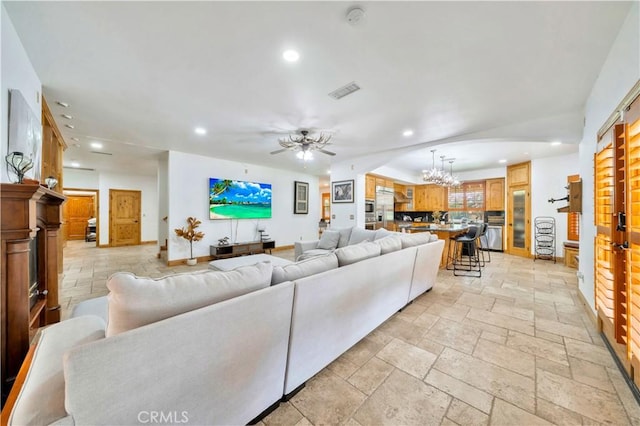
514	347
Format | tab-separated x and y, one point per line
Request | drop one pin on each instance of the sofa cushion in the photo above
357	252
329	240
359	235
41	399
411	240
345	233
137	301
389	244
313	253
381	233
304	268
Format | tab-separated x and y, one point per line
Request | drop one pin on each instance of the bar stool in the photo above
481	248
469	243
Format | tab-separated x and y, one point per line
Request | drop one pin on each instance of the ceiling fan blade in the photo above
327	152
279	151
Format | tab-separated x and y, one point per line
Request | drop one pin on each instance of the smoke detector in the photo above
355	15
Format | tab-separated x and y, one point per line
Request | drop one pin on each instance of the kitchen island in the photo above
444	232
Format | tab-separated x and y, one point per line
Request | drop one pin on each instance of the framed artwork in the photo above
342	191
300	197
25	132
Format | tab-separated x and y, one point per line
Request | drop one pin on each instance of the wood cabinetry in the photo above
53	147
31	217
494	197
519	174
400	207
369	187
435	197
240	249
420	198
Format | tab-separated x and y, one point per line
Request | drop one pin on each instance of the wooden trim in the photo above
283	248
623	105
103	245
17	386
149	242
587	308
54	126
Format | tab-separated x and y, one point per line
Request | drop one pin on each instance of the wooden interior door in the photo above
518	227
77	211
124	217
609	260
326	206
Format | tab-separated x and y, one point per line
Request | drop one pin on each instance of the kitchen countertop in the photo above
453	227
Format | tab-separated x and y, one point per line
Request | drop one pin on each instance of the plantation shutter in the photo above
573	219
603	213
633	229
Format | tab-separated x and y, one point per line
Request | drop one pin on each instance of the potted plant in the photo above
189	233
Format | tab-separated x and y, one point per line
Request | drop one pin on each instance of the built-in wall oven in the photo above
369	211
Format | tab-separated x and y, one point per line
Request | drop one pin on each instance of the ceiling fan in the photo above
304	145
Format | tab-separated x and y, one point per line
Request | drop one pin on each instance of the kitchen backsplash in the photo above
427	216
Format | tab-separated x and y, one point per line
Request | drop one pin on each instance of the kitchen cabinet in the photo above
420	198
370	187
494	198
400	207
435	198
409	207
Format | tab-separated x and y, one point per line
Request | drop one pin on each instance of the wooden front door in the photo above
77	211
124	217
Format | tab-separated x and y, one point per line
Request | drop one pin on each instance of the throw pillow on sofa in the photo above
329	240
389	244
356	253
304	268
137	301
345	233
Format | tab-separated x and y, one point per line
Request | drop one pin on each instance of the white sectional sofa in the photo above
174	348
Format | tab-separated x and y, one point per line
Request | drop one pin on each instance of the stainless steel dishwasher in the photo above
492	240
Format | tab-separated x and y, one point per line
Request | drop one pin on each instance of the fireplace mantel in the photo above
27	212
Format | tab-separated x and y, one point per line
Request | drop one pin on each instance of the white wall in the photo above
148	185
188	183
163	198
548	180
16	72
619	73
82	179
498	172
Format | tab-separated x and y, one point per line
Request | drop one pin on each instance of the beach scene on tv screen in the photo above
236	199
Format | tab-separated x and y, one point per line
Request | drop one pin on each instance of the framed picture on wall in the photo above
300	197
342	191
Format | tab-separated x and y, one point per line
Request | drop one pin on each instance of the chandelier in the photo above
439	176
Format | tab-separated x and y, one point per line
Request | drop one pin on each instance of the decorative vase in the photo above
192	262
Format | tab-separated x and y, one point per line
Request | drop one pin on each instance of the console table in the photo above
240	249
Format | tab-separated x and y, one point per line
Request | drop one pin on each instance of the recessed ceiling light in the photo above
75	164
63	104
75	139
502	161
67	116
200	130
556	143
407	133
96	145
70	126
290	55
328	171
77	145
526	153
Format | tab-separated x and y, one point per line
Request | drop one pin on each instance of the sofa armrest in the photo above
41	399
98	307
299	247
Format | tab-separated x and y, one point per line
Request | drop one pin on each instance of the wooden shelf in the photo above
240	249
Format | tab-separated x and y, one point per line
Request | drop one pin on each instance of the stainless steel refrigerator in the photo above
384	206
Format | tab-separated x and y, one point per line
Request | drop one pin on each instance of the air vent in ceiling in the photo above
80	168
344	90
101	153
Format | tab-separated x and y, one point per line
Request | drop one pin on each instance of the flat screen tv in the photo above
237	199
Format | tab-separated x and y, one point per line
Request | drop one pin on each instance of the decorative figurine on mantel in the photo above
18	165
